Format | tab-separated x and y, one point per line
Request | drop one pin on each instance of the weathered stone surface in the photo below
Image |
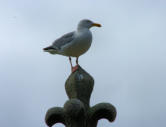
80	85
100	111
55	115
76	111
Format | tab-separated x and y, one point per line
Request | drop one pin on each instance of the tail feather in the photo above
50	49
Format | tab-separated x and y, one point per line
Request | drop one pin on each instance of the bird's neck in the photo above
81	29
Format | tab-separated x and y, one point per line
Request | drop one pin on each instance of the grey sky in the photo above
127	59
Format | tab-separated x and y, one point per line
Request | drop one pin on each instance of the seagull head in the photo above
85	23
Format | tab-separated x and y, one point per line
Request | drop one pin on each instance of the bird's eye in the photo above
88	21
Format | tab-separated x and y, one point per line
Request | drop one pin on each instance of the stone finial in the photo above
80	85
76	111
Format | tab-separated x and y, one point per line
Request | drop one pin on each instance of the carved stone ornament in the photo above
76	112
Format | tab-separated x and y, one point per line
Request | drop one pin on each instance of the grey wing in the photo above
62	41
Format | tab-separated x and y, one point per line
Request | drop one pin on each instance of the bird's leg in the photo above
73	69
76	67
77	61
71	63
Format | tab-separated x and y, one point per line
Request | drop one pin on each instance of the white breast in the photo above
81	43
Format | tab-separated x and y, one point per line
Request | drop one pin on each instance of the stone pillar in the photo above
77	112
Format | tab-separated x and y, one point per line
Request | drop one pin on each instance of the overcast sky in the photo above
127	59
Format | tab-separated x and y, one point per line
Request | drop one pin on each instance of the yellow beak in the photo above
96	24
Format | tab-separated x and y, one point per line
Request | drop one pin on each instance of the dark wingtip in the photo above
48	48
45	49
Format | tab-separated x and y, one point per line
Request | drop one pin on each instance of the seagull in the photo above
75	43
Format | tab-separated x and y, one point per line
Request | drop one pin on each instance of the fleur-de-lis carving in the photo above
77	112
